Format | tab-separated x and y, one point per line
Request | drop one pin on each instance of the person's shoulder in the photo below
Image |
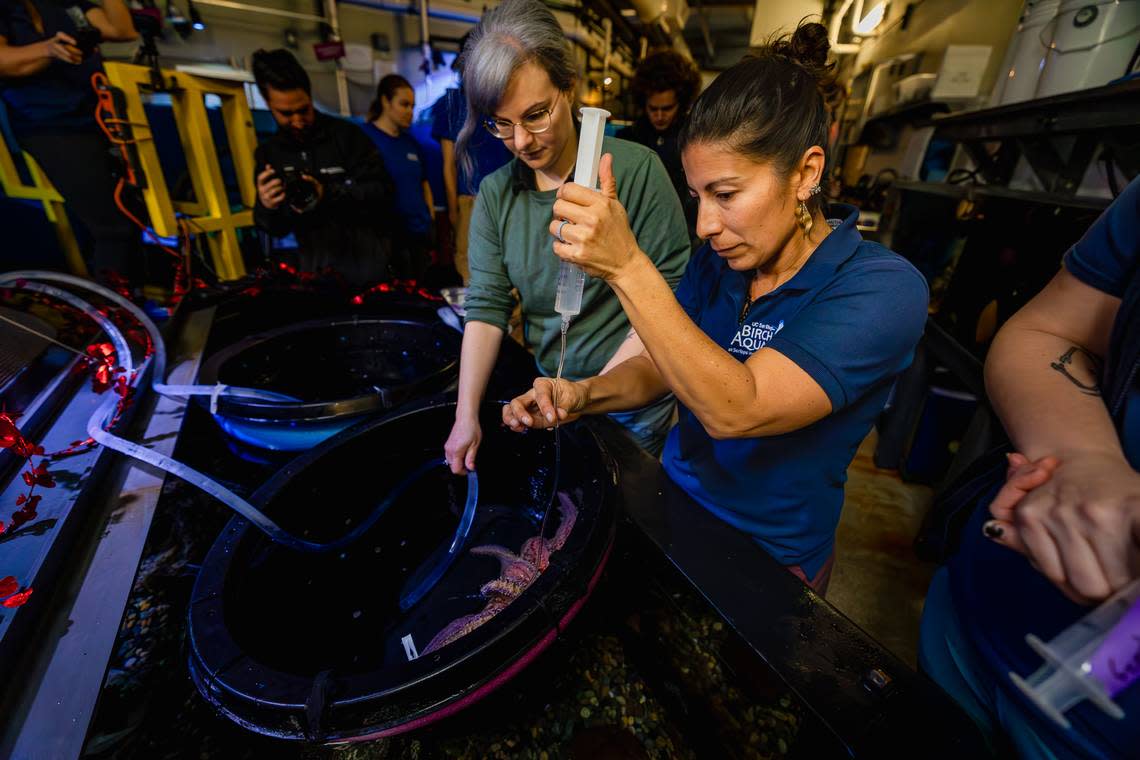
498	179
626	149
876	267
871	255
343	129
336	121
641	164
495	185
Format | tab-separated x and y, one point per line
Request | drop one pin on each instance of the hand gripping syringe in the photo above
571	279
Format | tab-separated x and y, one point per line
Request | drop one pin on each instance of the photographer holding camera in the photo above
48	53
321	179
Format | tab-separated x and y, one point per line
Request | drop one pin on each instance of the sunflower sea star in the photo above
516	573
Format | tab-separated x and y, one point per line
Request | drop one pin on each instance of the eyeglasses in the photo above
535	123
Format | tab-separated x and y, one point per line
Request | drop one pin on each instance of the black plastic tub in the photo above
313	646
338	369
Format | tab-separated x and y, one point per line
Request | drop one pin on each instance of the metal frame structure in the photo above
41	190
210	214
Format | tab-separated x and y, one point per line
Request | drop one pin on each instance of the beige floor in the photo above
878	581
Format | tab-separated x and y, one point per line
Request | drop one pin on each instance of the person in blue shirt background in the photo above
45	83
785	334
487	154
1063	530
389	118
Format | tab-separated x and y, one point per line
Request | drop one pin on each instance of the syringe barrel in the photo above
571	282
1076	663
571	279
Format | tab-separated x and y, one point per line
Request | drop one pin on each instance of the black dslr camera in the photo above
300	193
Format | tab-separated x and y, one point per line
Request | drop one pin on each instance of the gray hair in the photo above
515	33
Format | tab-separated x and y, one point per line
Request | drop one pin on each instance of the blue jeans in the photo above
947	656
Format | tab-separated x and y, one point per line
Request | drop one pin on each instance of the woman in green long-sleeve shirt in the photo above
520	79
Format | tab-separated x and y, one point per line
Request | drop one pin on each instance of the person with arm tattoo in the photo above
1063	531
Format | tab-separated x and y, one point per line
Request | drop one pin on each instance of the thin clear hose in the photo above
105	413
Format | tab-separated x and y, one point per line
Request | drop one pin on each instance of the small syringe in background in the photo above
1095	658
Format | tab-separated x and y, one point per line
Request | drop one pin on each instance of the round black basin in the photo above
319	646
337	369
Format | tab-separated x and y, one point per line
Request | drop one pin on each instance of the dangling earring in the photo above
803	218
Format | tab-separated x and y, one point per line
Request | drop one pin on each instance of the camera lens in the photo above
299	192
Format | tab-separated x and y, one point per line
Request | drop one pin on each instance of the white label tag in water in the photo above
409	647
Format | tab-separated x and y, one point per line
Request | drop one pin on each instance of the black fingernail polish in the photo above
993	530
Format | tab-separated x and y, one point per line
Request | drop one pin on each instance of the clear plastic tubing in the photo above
103	415
1095	658
571	279
158	380
96	316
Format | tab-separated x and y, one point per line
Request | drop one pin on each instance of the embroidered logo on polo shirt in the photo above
752	337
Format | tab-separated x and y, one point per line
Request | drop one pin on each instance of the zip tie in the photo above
218	389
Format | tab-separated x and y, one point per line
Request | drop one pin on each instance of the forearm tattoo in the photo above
1064	364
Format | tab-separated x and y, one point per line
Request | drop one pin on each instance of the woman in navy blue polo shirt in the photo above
45	82
389	118
787	329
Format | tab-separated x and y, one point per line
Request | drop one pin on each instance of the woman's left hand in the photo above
597	234
1076	517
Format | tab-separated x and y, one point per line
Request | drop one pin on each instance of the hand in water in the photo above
462	443
536	407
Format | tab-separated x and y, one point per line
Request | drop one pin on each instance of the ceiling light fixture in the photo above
195	17
866	26
861	26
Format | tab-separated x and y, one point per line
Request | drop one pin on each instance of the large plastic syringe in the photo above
571	279
1095	658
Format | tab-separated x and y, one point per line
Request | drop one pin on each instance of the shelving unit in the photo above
1098	109
971	191
1058	136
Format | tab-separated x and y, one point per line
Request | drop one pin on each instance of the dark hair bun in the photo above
808	46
